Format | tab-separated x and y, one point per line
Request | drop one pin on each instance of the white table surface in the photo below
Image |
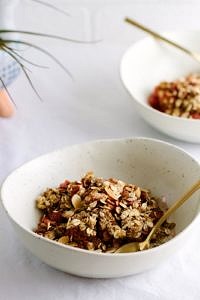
93	106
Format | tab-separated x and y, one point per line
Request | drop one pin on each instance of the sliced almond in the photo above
93	204
114	190
68	214
76	201
138	192
75	222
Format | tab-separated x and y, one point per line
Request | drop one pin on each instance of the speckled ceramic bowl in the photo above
165	169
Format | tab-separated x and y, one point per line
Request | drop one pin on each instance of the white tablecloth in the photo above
93	106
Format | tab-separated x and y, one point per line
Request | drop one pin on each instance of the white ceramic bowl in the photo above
148	62
164	168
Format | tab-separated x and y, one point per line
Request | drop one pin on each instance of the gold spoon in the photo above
194	55
138	246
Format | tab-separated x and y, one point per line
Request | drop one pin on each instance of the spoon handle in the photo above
158	36
176	205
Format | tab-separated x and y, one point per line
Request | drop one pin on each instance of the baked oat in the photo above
101	215
180	98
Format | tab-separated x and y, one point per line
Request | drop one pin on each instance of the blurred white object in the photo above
9	69
7	8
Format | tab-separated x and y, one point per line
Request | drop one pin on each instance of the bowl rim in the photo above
84	251
145	105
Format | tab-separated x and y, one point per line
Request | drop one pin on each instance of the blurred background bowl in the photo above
148	62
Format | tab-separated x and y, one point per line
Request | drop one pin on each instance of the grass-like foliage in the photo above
8	45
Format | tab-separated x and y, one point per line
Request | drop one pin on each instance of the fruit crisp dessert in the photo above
180	98
100	214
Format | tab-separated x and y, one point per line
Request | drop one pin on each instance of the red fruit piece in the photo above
65	184
196	115
55	216
153	101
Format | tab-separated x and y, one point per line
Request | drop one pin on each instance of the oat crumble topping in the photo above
180	98
100	215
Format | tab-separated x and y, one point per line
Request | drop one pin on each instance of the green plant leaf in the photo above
25	59
7	91
2	42
24	71
52	36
